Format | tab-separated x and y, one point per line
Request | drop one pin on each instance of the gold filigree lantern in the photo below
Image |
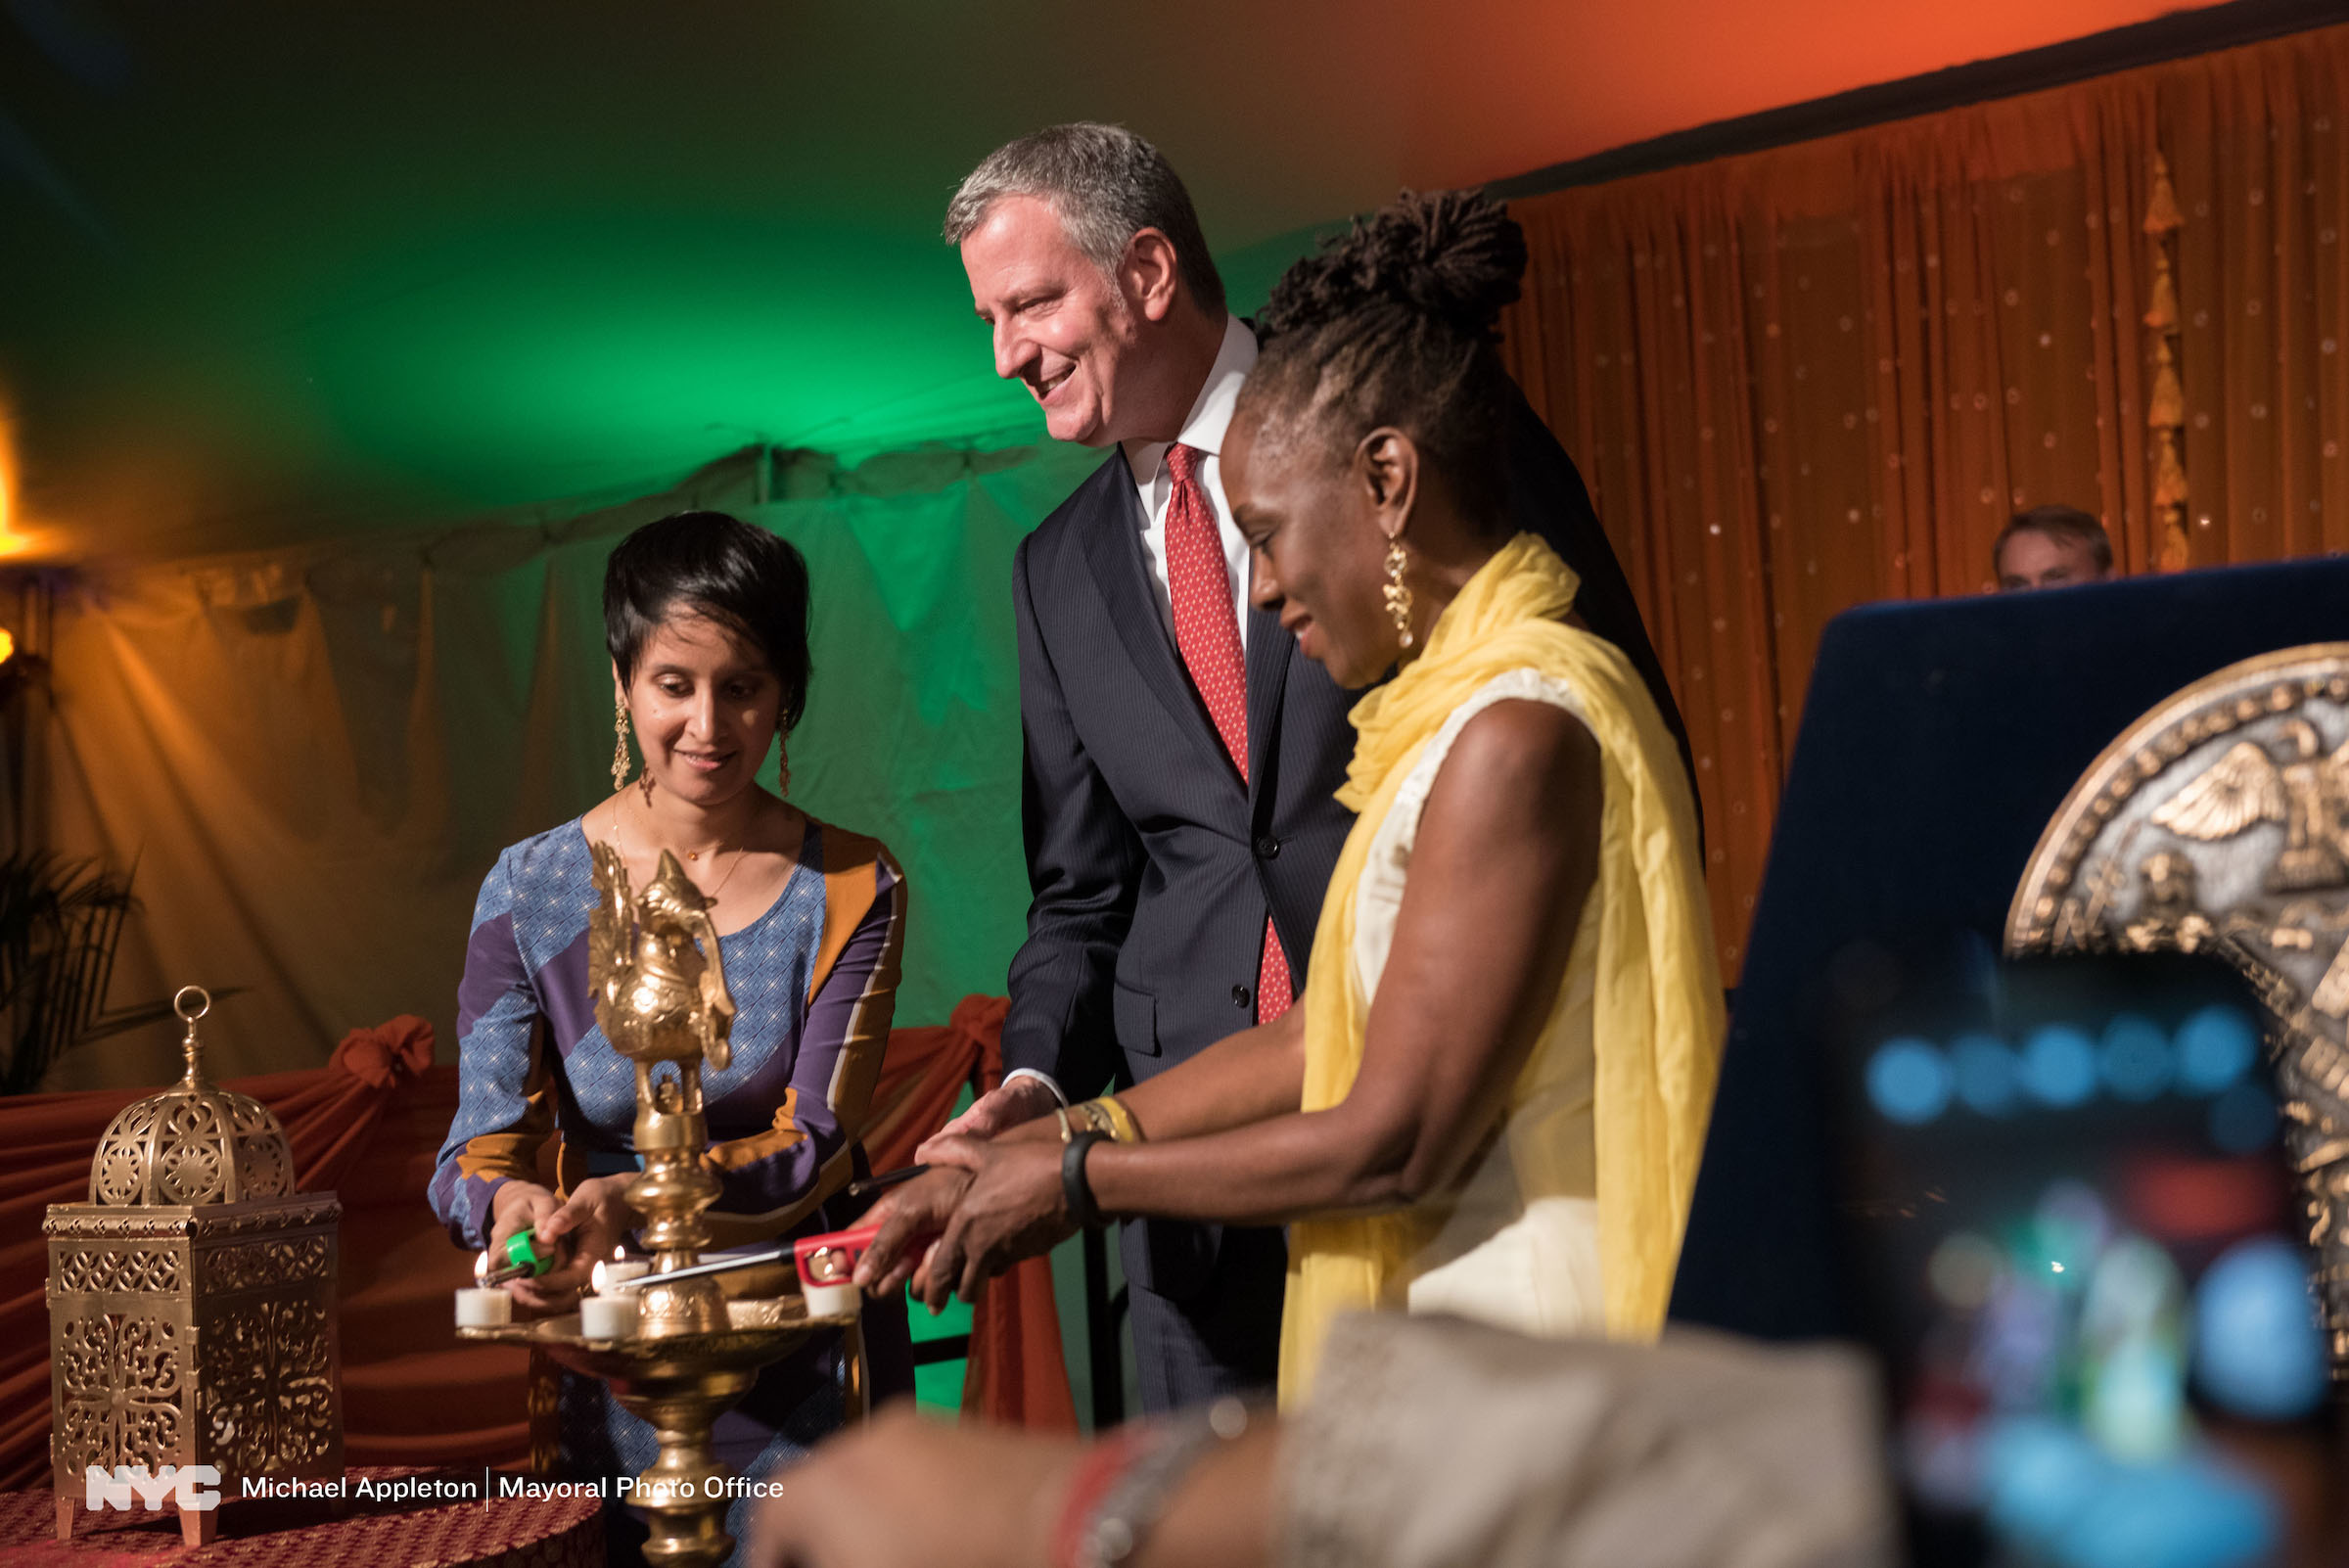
192	1299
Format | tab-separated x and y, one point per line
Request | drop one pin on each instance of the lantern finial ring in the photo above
192	1003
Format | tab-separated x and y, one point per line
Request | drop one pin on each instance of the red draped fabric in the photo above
1015	1374
367	1126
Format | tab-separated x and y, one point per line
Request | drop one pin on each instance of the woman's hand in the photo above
518	1206
585	1229
1013	1210
918	1210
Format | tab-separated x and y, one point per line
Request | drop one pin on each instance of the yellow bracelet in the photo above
1110	1115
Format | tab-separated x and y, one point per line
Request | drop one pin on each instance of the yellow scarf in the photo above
1657	1005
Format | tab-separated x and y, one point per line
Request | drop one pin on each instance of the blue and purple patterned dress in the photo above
814	983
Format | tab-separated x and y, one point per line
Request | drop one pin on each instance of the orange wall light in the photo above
12	541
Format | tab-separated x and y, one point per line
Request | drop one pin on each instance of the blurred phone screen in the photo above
2074	1232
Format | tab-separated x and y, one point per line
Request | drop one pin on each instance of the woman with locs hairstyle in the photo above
705	620
1491	1099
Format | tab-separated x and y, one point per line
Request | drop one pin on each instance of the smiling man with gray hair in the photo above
1181	762
1112	185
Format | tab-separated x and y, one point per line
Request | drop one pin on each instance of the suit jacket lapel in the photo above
1113	548
1269	649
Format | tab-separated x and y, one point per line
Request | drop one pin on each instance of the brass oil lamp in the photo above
661	999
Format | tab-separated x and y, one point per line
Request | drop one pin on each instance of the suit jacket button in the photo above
1239	995
1268	847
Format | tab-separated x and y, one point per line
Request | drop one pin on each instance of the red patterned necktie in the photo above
1206	630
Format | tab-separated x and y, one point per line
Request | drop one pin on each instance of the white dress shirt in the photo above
1203	431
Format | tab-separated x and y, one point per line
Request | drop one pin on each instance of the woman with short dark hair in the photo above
705	619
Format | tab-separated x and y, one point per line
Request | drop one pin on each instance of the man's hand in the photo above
909	1492
1022	1099
1013	1208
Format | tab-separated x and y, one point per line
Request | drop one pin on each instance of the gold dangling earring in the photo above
1399	595
782	763
620	743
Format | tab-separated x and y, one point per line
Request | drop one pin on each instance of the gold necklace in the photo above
710	893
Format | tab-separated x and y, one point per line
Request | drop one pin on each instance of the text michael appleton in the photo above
394	1489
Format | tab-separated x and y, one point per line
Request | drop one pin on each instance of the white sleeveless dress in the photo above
1533	1266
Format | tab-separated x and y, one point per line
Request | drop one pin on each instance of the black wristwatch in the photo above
1074	1190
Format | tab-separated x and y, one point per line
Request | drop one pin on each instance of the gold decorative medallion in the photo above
2219	823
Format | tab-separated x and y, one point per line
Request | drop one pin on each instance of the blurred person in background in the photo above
2052	547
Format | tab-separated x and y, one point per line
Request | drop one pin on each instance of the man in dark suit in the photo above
1181	758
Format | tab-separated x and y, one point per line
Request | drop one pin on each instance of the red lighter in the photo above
826	1263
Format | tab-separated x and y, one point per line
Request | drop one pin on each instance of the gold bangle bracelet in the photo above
1110	1115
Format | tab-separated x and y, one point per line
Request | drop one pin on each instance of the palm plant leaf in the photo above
61	925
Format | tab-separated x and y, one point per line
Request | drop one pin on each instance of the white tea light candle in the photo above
613	1317
833	1300
608	1314
484	1308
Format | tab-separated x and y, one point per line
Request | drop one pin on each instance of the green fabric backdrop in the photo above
913	729
313	756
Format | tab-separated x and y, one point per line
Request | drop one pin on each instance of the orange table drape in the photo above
1802	379
367	1126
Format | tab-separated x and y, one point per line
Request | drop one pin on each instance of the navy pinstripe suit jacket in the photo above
1152	865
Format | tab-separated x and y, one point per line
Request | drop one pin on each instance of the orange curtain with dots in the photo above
1808	377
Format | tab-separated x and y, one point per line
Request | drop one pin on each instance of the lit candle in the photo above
608	1314
623	1269
825	1283
482	1307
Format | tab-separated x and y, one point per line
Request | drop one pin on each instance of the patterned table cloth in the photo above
549	1530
